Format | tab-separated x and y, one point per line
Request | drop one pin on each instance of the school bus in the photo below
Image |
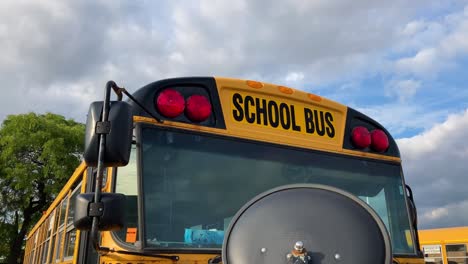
166	171
445	245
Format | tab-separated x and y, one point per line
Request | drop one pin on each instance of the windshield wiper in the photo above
134	253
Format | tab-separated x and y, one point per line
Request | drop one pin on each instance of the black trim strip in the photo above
140	200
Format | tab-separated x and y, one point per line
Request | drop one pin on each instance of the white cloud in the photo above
447	216
424	63
403	89
223	11
435	214
273	38
413	28
420	34
294	77
434	163
400	116
49	44
436	45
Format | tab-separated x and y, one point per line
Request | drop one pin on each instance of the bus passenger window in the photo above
59	234
70	236
52	224
456	254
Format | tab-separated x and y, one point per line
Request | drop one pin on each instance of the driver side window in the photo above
126	183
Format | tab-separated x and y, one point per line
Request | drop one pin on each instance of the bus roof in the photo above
446	235
244	108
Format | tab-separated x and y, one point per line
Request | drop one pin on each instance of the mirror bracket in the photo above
103	127
96	209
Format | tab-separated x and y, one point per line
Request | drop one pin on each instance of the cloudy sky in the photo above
402	62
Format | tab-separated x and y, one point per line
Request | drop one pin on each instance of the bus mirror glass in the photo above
118	134
111	215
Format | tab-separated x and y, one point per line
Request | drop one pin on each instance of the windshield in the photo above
194	184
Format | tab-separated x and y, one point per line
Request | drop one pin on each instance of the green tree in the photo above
38	153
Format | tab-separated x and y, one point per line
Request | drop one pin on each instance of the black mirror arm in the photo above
103	128
414	221
119	92
410	192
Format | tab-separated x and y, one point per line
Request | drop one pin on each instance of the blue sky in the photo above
404	63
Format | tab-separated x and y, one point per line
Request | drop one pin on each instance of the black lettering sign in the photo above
238	113
285	116
273	114
269	113
261	110
330	128
248	116
309	121
319	124
295	127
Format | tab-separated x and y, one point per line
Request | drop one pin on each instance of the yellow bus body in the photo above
34	253
438	242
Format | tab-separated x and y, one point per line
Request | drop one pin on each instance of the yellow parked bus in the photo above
445	245
199	149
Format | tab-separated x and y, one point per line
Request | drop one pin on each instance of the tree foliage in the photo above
38	153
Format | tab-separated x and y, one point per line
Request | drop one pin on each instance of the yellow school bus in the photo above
201	148
445	245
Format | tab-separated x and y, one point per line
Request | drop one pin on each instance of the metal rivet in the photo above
263	250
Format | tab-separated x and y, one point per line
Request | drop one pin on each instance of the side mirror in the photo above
109	210
119	138
413	210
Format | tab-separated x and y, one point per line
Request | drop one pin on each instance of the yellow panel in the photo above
269	113
107	241
409	260
444	235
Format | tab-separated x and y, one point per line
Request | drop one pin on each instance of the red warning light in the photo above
361	137
198	108
379	140
170	103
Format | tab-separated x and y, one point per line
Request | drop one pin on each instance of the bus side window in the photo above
47	234
62	210
70	237
456	254
52	226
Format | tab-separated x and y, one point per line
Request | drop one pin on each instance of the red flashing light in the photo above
170	103
198	108
361	137
379	140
